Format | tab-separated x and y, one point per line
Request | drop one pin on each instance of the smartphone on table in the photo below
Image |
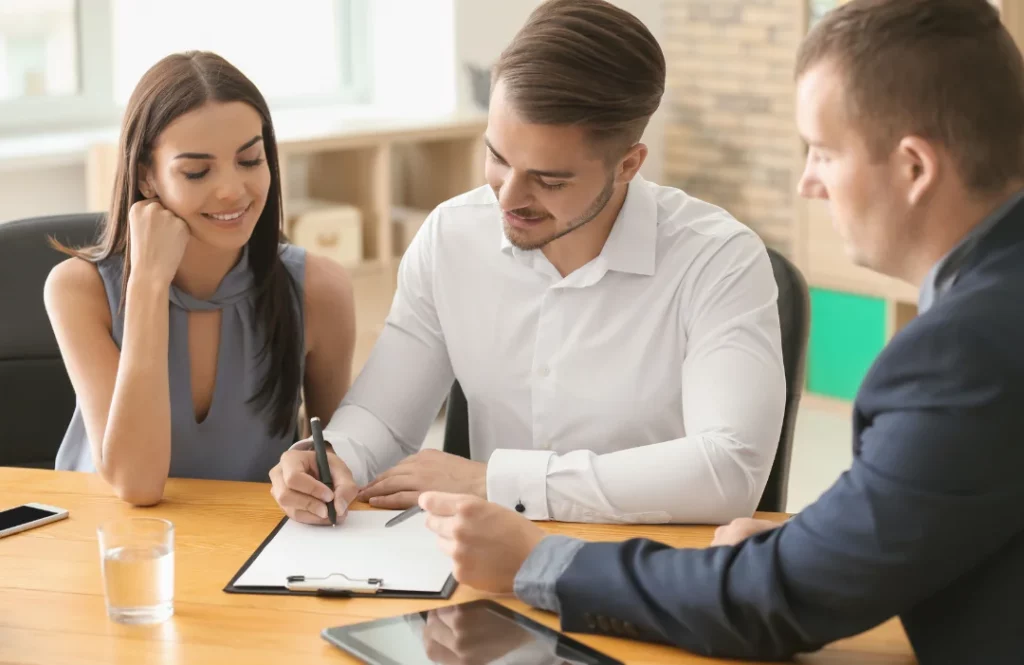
28	516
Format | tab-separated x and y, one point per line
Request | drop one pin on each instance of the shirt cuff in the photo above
518	479
536	581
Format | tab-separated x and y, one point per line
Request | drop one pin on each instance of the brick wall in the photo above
730	134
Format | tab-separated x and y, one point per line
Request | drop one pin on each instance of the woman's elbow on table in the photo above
137	492
139	496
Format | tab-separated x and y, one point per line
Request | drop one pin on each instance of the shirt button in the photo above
543	370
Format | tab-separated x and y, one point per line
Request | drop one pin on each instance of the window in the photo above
293	52
38	49
44	76
818	8
74	63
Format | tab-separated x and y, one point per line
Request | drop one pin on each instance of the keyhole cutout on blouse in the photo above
204	357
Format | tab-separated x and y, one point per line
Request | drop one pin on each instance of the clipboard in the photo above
335	584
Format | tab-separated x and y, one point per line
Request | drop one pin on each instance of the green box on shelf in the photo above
847	334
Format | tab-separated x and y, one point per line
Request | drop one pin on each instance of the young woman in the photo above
189	331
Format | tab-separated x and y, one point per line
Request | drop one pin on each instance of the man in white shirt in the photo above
617	341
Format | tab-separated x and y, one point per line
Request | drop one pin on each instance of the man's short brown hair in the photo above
586	63
945	70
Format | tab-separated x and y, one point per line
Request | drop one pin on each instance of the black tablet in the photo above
479	632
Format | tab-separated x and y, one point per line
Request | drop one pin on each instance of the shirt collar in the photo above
631	246
944	273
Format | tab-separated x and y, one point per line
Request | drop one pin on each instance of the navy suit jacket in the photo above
927	524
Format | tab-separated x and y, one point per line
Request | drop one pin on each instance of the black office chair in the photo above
37	399
795	324
456	423
794	318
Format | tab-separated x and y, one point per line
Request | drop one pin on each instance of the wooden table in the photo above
51	596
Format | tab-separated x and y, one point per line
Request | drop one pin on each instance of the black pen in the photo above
322	466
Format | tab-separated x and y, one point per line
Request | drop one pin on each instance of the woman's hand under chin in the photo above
158	240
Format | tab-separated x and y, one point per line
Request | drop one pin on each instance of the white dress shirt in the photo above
646	386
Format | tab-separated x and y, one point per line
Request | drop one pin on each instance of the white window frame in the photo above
94	106
94	103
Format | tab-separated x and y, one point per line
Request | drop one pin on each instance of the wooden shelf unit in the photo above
373	165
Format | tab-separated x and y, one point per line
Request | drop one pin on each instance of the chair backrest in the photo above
456	423
37	399
794	322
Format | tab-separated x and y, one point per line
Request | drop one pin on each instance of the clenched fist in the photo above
157	240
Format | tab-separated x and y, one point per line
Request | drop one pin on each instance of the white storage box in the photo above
330	229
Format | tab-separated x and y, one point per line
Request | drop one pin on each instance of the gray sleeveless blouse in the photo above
234	442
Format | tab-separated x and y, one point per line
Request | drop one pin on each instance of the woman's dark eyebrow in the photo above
205	155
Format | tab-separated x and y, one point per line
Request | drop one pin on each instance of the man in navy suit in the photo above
913	112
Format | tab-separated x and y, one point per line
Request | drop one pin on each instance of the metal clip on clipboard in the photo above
334	584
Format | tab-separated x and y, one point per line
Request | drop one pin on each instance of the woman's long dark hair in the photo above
172	87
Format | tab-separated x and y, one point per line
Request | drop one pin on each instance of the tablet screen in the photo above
480	632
